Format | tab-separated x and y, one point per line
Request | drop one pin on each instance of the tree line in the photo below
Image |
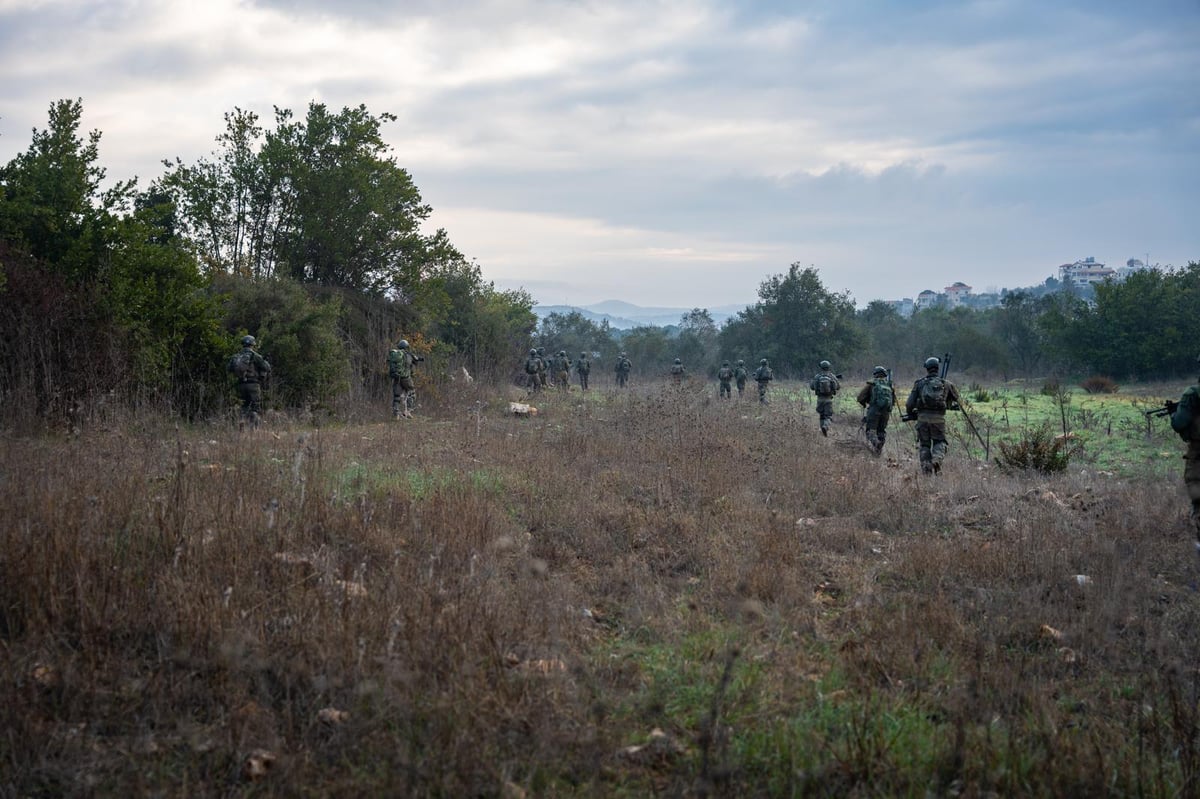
1144	328
308	234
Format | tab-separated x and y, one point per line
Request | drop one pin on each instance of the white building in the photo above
1084	273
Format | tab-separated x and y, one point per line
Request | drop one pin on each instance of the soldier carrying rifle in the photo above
1185	420
930	398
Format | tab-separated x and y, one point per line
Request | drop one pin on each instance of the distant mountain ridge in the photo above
625	315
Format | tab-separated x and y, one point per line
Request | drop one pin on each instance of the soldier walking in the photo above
250	369
877	399
677	371
930	398
562	370
763	376
740	375
404	390
825	385
1185	420
725	378
622	368
583	367
544	366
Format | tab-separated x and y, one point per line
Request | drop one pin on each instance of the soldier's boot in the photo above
937	467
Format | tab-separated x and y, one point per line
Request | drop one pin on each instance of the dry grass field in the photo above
643	593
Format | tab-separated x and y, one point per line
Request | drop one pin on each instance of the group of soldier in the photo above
555	372
931	396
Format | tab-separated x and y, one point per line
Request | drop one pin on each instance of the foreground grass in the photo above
650	592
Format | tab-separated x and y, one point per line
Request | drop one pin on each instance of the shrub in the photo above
980	394
1038	450
1099	384
1051	387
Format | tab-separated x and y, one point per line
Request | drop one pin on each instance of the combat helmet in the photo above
402	344
879	371
247	341
562	353
932	363
533	353
825	364
741	362
678	361
763	362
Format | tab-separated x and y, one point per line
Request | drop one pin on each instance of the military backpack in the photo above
243	366
932	394
882	396
824	385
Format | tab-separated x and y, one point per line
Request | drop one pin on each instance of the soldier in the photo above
251	369
562	370
877	399
825	385
677	371
583	367
725	376
930	398
1185	420
739	376
622	368
544	366
532	368
404	390
763	376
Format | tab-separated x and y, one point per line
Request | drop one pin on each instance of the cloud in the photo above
667	146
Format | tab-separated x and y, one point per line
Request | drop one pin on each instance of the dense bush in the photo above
1038	450
1099	384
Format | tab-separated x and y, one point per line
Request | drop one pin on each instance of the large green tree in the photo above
319	199
796	323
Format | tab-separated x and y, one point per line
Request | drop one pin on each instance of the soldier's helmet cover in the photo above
741	362
402	344
824	364
879	371
533	352
678	361
763	362
247	341
932	363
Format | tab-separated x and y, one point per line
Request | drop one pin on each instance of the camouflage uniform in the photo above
725	377
562	370
876	418
931	422
677	371
740	374
763	376
583	368
404	390
533	368
825	385
251	369
622	368
544	366
1186	422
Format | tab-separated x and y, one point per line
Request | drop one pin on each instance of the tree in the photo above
320	200
575	333
797	323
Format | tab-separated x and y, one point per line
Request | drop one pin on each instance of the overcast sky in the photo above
679	153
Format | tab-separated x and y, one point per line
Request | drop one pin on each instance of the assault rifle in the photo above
1166	409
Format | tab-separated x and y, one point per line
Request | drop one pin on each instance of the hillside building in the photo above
1084	273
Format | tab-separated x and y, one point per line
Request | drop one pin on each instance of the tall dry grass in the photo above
509	607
